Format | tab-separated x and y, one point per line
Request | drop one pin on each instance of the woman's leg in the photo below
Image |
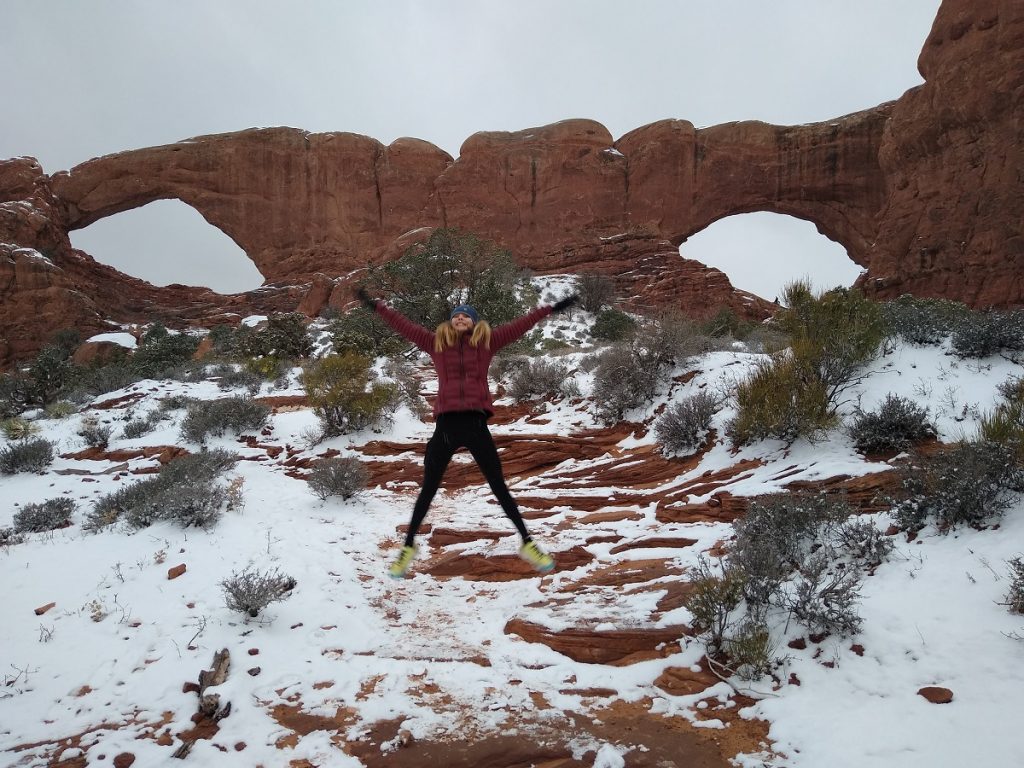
481	446
440	449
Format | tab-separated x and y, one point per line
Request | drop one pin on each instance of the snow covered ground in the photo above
352	648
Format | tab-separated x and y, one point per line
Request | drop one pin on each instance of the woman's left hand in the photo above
565	303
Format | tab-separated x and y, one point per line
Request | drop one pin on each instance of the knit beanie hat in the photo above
465	309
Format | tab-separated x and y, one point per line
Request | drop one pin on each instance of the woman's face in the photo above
461	322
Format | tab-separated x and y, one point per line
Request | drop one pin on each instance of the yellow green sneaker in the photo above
401	565
536	557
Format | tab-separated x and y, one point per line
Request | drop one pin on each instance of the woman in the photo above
462	349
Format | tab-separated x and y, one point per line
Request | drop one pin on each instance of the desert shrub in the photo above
399	371
339	476
1014	598
47	516
684	424
50	373
216	417
540	378
94	382
33	454
595	291
142	425
268	368
823	596
832	335
452	266
622	383
60	409
284	335
185	491
972	483
8	538
726	322
161	353
806	554
17	428
363	331
980	334
1005	426
96	435
175	402
345	395
780	399
231	376
750	650
670	340
250	591
897	424
713	601
612	325
922	321
15	394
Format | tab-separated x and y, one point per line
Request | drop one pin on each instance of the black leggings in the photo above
462	429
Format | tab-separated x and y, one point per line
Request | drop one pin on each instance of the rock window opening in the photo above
168	242
763	252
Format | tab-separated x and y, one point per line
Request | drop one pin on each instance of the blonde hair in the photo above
445	336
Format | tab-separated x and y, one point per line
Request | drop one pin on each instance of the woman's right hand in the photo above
364	297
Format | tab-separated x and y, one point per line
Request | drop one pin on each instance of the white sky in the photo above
88	79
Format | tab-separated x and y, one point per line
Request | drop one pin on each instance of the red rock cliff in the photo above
923	192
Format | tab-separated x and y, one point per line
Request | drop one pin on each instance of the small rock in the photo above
936	695
240	746
44	608
255	671
798	644
254	651
124	760
176	571
189	687
857	648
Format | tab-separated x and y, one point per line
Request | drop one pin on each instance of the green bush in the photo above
231	376
726	323
96	435
60	409
216	417
285	336
980	334
684	424
452	266
541	378
612	325
972	483
896	425
595	291
345	394
780	399
184	491
143	425
161	353
339	476
922	321
713	601
15	394
33	454
363	331
1014	599
251	590
17	428
622	382
47	516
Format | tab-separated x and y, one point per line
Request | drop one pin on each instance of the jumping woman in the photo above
462	349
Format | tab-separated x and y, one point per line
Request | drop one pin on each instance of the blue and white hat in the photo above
465	309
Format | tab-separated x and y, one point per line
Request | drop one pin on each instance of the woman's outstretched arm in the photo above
505	334
405	327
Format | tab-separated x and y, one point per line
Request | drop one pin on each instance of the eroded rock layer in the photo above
923	192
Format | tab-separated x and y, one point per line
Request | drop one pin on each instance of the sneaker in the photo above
536	557
401	565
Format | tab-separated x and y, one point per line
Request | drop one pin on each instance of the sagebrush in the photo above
251	590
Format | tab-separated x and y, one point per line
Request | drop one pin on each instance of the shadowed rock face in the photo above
923	192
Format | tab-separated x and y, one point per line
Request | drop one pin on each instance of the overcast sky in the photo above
86	78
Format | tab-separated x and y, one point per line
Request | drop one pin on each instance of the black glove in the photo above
565	303
364	297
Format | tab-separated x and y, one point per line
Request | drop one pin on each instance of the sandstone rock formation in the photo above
923	192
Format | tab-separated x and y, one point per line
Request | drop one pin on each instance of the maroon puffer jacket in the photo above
462	369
